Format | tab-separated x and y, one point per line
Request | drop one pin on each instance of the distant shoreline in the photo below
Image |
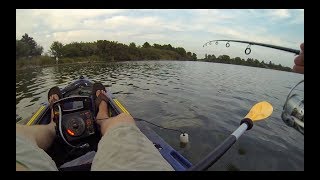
59	64
31	65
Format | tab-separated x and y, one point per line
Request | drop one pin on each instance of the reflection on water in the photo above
207	100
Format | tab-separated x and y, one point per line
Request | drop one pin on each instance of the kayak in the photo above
77	126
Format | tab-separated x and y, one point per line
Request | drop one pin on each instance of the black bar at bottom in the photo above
211	158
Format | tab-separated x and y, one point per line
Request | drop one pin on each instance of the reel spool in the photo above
293	111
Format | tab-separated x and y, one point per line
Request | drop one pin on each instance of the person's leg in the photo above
41	135
123	146
31	143
107	122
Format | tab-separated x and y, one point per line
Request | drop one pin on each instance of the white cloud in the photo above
24	23
118	21
280	13
59	19
75	13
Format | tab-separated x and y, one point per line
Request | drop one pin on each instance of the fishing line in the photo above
138	119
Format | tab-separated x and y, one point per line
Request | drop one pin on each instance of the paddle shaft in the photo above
211	158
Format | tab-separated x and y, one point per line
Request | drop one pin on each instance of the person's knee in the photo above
121	118
113	121
125	117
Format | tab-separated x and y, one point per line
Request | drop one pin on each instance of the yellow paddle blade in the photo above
260	111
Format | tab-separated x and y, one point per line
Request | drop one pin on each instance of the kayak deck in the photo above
83	87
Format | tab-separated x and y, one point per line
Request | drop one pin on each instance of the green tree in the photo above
158	46
35	50
132	45
181	51
237	60
256	63
29	40
146	45
168	47
56	49
71	50
194	56
224	59
211	58
22	49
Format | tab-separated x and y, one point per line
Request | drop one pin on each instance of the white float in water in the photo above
184	138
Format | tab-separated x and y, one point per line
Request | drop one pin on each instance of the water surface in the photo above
207	100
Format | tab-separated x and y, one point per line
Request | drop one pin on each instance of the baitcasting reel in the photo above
293	111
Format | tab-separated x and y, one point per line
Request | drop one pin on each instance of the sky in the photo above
190	29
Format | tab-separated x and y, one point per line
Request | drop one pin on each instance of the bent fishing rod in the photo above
247	51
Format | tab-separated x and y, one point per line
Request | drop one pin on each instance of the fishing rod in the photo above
247	51
259	111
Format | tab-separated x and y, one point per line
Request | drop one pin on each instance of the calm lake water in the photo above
207	100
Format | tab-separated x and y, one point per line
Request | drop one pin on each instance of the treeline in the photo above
102	50
249	62
114	51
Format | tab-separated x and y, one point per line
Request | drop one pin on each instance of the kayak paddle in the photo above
258	112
